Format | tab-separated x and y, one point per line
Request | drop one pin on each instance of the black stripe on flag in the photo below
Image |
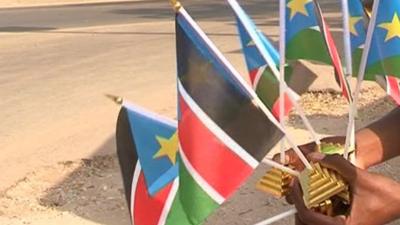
126	151
211	85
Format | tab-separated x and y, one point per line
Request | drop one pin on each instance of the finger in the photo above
336	162
291	159
316	156
277	157
307	216
289	199
297	220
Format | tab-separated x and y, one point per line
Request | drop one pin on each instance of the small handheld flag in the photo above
384	46
391	85
358	28
149	186
333	53
358	23
303	34
308	37
262	76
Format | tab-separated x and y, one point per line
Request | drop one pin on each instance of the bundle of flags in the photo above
358	22
263	74
309	37
179	172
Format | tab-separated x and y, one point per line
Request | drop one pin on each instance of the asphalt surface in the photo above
73	16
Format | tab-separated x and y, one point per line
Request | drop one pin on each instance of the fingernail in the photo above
316	156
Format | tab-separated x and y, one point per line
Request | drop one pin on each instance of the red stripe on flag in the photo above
394	92
218	165
337	64
253	75
276	107
148	209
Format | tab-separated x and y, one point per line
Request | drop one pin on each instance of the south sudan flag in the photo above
384	47
334	55
303	34
391	85
223	132
147	148
358	23
308	37
263	76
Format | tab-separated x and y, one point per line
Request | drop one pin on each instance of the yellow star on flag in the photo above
168	148
352	24
393	28
298	6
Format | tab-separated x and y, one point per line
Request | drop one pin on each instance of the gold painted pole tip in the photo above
116	99
176	5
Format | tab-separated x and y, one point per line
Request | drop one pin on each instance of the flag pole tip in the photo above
116	99
176	5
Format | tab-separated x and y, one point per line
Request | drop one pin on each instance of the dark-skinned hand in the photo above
375	198
293	160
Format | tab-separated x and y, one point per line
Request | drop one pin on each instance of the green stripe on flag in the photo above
308	44
177	214
192	205
357	54
268	89
389	66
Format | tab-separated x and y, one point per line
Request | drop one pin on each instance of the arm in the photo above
380	141
376	143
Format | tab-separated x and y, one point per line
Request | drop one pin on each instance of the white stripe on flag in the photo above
168	203
149	114
135	180
260	72
216	130
199	179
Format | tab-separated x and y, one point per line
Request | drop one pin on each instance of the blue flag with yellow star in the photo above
304	39
156	142
384	49
358	23
254	61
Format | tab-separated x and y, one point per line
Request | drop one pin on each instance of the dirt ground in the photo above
89	191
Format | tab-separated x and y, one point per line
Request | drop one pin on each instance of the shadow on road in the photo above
150	33
93	190
16	29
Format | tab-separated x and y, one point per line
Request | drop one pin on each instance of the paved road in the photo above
57	17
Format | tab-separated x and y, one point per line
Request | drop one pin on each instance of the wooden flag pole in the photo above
361	73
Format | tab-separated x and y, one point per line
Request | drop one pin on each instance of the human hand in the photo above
292	159
375	199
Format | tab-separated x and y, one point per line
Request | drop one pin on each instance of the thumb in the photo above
336	162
